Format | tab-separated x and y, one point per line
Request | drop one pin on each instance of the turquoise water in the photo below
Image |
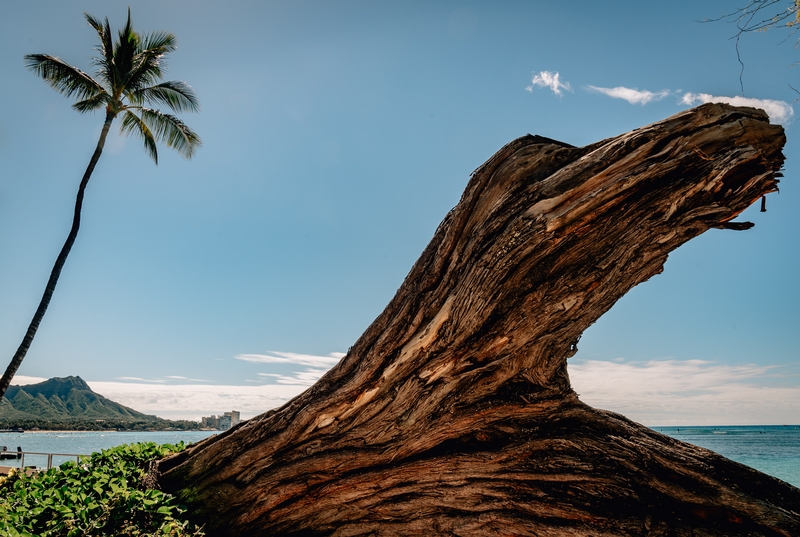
774	450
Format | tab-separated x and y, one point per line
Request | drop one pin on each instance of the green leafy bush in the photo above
103	495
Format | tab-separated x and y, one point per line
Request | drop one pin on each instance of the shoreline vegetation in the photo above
105	494
78	425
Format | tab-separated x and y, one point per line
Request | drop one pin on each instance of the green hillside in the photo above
69	403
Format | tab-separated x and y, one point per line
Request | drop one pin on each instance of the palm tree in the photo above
127	78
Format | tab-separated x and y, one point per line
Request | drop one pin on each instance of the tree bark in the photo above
50	288
453	413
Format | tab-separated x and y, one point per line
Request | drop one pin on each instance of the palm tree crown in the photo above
126	80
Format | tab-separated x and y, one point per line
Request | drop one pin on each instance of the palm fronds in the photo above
63	77
129	76
125	50
132	124
92	103
170	130
105	62
155	126
178	96
147	68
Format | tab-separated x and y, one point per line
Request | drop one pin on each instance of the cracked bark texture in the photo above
453	413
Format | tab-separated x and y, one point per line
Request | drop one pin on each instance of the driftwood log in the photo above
453	413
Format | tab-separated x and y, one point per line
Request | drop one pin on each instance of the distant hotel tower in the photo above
221	423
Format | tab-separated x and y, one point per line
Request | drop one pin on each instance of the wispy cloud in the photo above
546	79
275	357
22	380
306	377
632	95
140	379
178	377
691	392
778	111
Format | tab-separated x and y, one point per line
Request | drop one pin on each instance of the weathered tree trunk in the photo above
453	413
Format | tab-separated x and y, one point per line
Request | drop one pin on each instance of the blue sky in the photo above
336	136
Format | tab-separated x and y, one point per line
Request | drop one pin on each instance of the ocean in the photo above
774	450
85	442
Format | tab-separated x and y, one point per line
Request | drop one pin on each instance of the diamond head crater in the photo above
70	404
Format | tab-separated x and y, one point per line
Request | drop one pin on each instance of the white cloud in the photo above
178	397
692	392
140	379
778	111
189	401
22	380
306	377
192	401
658	392
315	366
546	79
179	377
632	95
274	357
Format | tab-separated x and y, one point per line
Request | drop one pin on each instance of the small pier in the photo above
32	460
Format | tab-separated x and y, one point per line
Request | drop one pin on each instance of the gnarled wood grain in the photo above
453	413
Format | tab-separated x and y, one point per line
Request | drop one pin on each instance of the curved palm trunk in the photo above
59	264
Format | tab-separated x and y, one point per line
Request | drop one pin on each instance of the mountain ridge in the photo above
70	403
63	398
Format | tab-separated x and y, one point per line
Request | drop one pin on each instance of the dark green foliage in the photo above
78	424
104	495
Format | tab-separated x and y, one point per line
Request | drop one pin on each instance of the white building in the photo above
223	422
